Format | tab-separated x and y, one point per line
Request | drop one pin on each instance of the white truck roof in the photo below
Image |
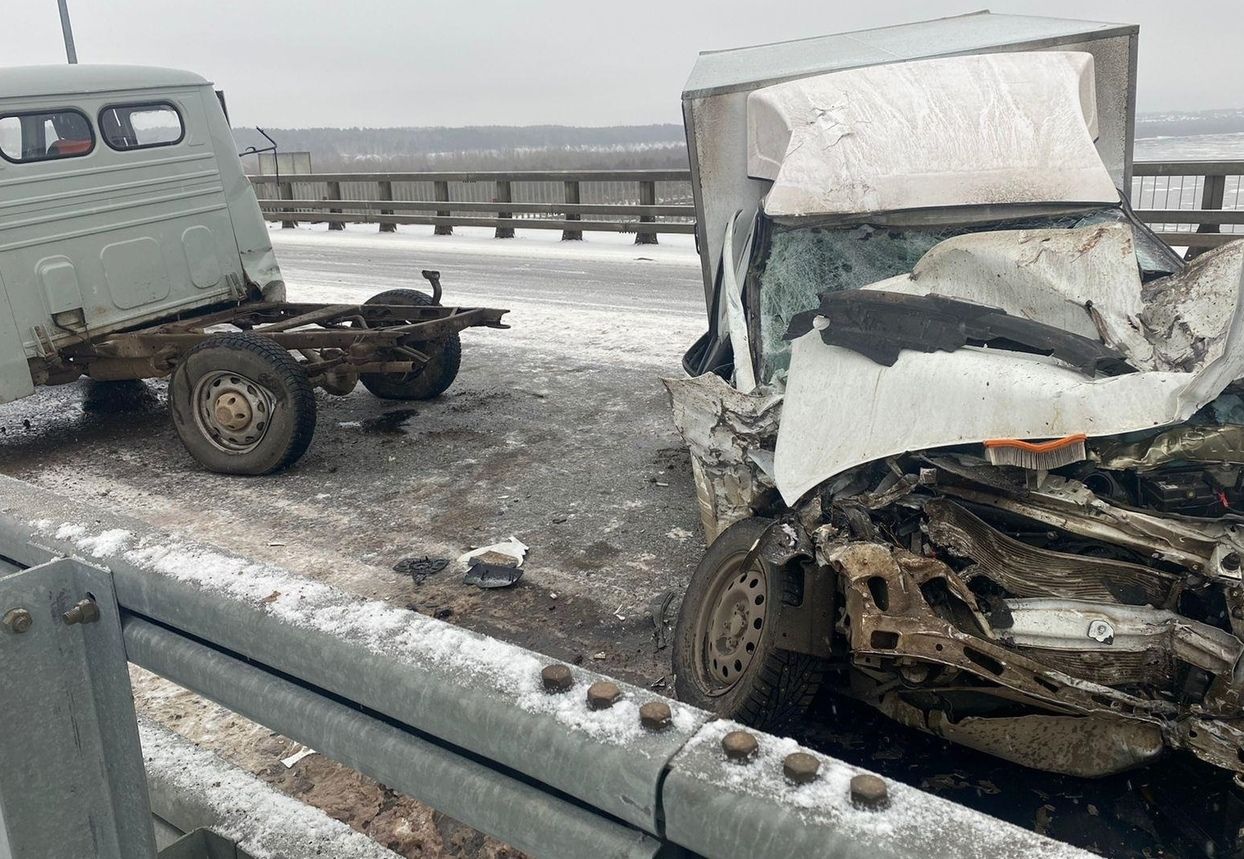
45	81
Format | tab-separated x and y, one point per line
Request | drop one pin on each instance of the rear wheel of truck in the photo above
242	405
725	656
422	383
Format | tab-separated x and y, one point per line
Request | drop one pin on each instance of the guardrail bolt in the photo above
655	716
18	620
602	695
85	611
557	679
800	767
740	746
869	792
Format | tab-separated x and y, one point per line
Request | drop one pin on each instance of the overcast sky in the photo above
576	62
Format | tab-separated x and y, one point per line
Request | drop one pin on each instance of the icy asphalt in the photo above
557	431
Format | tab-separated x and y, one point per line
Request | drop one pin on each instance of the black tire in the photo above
262	379
775	688
430	380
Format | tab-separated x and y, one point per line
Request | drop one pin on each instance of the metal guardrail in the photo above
643	202
447	716
1190	203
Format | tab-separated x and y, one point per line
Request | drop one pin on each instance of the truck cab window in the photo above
45	136
140	126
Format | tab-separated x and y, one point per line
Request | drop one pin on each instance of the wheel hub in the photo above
735	624
232	410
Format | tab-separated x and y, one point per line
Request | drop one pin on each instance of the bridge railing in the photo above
1193	204
643	202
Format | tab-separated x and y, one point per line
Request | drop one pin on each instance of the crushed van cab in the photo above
968	438
132	246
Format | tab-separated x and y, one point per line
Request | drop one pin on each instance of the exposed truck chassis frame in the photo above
242	375
360	333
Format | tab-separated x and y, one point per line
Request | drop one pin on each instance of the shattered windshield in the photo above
792	264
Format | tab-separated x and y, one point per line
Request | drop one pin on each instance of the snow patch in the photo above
409	637
267	824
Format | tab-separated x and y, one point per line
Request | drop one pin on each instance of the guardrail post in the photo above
505	194
442	196
1211	198
647	197
386	193
285	190
334	193
572	196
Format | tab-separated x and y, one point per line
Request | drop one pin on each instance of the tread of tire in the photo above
453	346
294	379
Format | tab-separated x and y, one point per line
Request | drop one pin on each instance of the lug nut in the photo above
869	792
18	620
800	767
602	695
740	746
655	716
85	611
556	679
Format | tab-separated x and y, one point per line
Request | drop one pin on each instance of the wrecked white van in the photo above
967	437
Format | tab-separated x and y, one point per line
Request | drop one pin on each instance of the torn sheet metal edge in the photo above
736	317
724	430
842	409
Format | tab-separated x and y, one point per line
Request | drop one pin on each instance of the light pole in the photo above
70	51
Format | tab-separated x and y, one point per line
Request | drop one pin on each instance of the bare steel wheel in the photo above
725	655
233	411
242	405
735	622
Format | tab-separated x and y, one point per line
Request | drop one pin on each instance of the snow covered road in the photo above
557	431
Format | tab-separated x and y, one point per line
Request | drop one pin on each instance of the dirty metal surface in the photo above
71	772
713	807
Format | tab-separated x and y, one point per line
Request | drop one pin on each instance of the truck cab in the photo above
124	202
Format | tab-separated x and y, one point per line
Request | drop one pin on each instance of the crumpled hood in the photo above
1183	333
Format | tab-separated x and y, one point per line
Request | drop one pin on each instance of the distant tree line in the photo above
537	147
552	147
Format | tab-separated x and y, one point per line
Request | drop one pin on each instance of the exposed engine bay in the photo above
1078	620
1073	603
